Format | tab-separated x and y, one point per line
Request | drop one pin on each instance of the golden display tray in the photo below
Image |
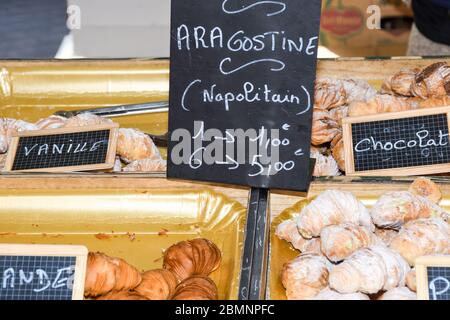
134	224
282	252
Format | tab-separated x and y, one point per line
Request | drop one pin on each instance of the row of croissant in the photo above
349	252
336	99
136	151
184	276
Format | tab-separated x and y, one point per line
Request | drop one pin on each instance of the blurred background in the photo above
67	29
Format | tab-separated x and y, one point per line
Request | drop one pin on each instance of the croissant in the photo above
422	237
401	293
304	277
52	122
340	241
433	81
147	165
86	119
369	270
157	285
411	280
400	83
196	288
325	166
10	127
194	257
394	209
381	103
324	128
330	208
386	235
329	94
338	151
121	295
426	188
135	145
105	274
328	294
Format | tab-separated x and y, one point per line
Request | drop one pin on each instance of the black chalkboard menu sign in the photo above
433	277
42	272
62	150
403	143
241	91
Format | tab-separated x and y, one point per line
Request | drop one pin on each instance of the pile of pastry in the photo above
136	151
336	99
349	252
184	275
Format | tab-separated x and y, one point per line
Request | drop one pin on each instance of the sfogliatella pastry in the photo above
157	284
198	257
196	288
52	122
370	270
325	166
10	127
105	274
324	127
381	103
400	83
426	188
332	207
2	160
86	119
328	294
433	81
338	151
329	93
411	280
400	293
340	241
146	165
287	230
422	237
386	235
394	209
135	145
305	276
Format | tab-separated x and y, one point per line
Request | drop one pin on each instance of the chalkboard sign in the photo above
242	79
398	144
63	150
42	272
433	277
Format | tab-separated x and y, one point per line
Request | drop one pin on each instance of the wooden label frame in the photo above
422	265
405	171
110	156
80	252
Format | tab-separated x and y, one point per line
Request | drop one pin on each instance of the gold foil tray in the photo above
136	225
368	192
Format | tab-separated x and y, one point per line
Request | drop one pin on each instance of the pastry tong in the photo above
125	110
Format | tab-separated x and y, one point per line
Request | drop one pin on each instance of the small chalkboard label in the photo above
42	272
63	150
433	277
241	91
398	144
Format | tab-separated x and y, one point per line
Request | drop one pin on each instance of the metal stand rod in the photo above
256	246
